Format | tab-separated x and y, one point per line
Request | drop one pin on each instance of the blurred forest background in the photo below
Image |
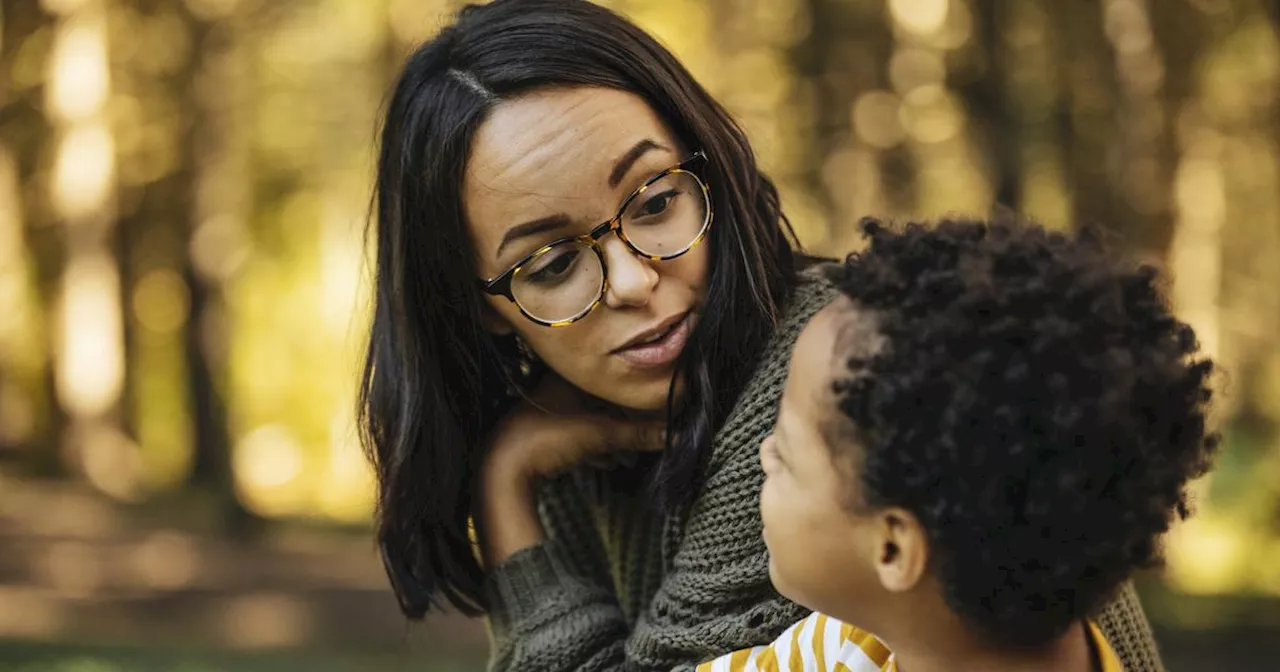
183	190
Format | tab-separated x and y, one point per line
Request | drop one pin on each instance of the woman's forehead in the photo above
554	152
552	133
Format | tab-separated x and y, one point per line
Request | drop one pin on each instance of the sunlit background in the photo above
183	189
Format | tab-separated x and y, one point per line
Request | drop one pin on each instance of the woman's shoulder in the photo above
813	291
753	414
723	529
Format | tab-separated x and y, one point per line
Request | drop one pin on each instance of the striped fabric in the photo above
1110	659
816	644
820	643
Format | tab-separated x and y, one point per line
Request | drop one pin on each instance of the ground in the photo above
87	585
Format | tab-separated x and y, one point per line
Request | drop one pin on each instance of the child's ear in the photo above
902	553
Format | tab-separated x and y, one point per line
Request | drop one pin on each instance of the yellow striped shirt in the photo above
820	643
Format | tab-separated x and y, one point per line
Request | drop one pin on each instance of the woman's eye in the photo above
657	204
551	270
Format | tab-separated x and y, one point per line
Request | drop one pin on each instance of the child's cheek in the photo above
767	506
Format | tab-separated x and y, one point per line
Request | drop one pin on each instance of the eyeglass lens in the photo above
662	220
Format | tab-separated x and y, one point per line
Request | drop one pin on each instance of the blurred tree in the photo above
204	138
1233	95
1153	55
1007	116
210	197
855	154
243	137
178	371
1085	116
27	133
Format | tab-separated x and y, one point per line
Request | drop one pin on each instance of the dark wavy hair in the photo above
434	379
1036	405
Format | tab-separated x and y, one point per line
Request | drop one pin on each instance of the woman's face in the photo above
557	163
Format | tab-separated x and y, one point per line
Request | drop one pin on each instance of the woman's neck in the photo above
957	651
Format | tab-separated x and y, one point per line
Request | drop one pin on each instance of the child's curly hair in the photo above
1037	407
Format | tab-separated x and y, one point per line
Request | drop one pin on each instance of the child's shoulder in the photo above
1108	659
818	643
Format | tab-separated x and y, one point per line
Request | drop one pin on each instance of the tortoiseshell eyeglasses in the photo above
561	282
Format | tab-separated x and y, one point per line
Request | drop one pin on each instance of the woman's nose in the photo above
631	278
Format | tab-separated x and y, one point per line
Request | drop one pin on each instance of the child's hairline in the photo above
849	445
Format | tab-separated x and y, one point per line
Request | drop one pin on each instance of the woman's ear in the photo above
493	322
902	550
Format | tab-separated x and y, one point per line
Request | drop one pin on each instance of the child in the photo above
977	444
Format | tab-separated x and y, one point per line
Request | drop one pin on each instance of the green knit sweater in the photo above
617	587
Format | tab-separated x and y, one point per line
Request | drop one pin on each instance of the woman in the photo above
578	258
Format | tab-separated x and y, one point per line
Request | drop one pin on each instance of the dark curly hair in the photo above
1035	404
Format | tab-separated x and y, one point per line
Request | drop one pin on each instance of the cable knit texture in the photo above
616	587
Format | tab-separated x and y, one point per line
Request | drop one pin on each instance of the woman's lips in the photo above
665	350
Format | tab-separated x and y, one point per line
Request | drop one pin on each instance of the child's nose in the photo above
764	445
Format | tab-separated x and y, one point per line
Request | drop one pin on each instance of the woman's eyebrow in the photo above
621	167
624	163
532	228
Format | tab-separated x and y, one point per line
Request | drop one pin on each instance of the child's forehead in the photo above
837	333
840	331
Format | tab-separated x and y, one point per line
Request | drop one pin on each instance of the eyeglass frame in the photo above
501	285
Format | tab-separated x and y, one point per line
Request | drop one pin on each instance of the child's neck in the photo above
948	649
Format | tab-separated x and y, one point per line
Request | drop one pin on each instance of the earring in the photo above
525	351
527	356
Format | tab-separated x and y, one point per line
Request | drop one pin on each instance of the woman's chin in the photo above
640	401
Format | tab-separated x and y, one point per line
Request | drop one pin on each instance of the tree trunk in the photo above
159	231
844	57
1085	114
205	358
991	100
28	133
